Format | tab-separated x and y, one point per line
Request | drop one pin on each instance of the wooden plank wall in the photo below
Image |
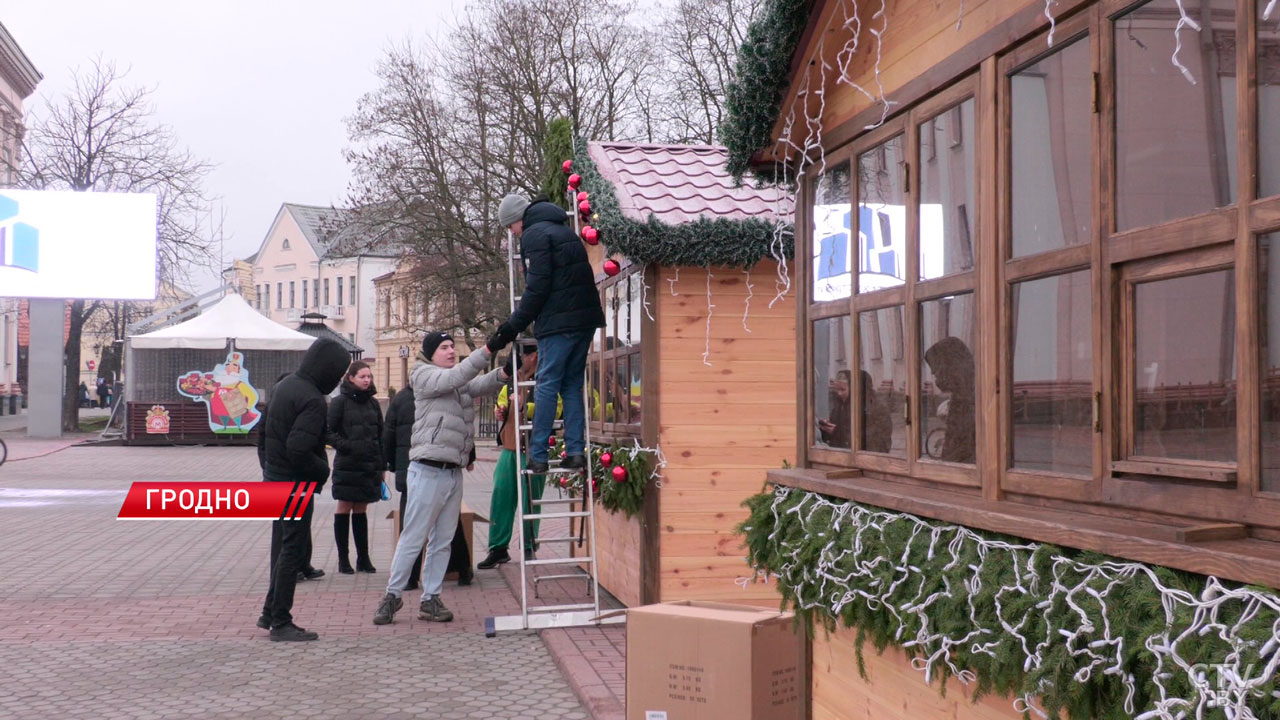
917	36
892	689
618	548
721	427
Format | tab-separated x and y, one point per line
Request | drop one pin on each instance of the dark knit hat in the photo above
432	341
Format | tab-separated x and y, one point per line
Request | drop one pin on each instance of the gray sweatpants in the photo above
431	516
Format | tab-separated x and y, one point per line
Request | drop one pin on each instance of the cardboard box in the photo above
466	520
693	660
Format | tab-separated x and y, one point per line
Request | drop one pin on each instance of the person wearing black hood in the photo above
293	445
560	295
355	432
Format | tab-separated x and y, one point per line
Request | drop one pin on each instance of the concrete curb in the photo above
591	690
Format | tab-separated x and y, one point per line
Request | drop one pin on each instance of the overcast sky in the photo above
260	88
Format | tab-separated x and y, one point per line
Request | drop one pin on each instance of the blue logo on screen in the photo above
19	242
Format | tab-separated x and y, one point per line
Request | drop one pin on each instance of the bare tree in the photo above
103	136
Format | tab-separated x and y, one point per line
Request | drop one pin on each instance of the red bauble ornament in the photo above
590	235
567	167
611	268
575	180
619	474
584	207
563	454
582	196
564	482
551	441
606	459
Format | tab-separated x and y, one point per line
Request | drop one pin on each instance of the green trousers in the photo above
502	505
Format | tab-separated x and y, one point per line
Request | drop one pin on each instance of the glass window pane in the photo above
638	295
610	387
1268	102
1184	367
1175	133
884	382
1051	151
882	217
947	375
621	390
832	279
1269	342
611	316
1053	374
947	206
832	388
636	404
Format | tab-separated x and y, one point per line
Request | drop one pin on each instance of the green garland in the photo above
753	99
701	243
1077	633
626	496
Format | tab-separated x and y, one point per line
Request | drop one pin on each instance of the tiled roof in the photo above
680	183
317	328
316	222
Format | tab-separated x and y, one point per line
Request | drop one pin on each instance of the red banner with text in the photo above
216	501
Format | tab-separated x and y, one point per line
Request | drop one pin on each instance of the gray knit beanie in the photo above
511	209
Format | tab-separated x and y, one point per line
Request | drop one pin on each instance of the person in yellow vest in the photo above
502	503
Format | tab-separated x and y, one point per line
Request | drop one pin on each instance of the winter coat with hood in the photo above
397	436
293	433
355	432
560	293
444	416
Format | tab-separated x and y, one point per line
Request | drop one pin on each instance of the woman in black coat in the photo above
355	431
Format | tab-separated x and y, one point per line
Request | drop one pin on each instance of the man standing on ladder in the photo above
561	299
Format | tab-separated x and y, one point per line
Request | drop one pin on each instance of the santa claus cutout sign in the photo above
226	392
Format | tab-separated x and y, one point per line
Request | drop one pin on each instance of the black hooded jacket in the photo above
355	431
293	432
397	436
560	290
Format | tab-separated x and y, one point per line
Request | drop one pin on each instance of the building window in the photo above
945	213
351	284
881	385
315	294
304	294
279	295
831	217
833	383
615	360
285	245
292	297
1268	71
1175	146
326	291
340	297
948	378
266	296
882	219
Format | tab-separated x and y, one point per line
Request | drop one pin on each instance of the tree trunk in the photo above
71	368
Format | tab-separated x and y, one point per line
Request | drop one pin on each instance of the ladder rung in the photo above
561	561
576	576
561	515
557	501
562	608
541	540
526	383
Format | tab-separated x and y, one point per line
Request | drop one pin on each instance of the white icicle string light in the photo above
671	281
1076	585
750	292
1184	20
706	352
644	295
1271	7
1053	24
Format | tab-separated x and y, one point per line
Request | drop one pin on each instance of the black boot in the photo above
360	532
496	557
341	532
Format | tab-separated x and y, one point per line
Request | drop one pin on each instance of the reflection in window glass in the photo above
947	377
1051	154
610	388
947	206
1268	102
1184	367
637	407
1269	344
1052	336
832	382
882	217
638	296
884	382
832	279
610	316
1175	135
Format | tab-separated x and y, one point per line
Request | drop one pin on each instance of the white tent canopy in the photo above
229	319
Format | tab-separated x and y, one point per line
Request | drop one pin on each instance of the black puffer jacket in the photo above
560	289
397	436
355	431
294	429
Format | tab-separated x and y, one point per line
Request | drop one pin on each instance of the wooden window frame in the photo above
635	353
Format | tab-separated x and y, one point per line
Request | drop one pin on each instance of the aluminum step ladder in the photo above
575	507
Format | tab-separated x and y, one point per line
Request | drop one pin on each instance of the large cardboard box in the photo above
693	660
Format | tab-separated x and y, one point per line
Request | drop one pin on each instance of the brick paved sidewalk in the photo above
107	618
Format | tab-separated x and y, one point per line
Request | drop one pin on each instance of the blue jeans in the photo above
562	365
